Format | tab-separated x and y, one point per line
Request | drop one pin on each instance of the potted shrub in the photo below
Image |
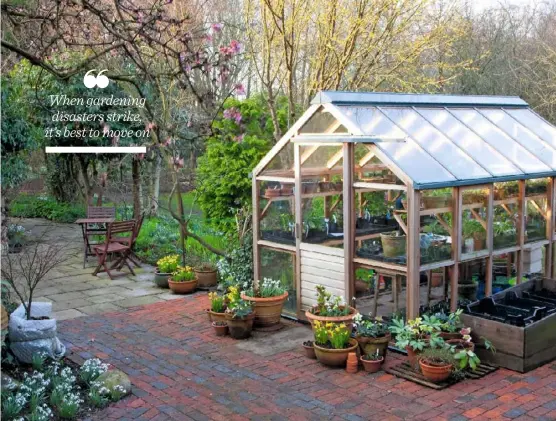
393	244
216	312
333	343
372	362
437	364
16	238
239	315
363	279
267	298
416	334
206	275
330	309
309	349
436	199
372	335
164	269
220	328
451	325
466	357
183	280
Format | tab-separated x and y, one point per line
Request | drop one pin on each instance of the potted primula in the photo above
372	362
183	280
216	312
416	334
437	364
207	276
333	343
451	325
268	298
164	269
372	335
239	315
330	309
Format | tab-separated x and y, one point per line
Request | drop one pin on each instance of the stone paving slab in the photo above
181	371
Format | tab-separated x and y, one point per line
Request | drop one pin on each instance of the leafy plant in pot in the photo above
372	335
164	269
466	356
183	280
372	362
216	312
333	343
363	279
437	364
393	244
309	349
268	298
451	325
417	334
239	315
330	309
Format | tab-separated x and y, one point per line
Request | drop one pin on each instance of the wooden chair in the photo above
94	229
133	258
121	247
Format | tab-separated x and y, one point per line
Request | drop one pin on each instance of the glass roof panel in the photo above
529	140
436	144
484	154
517	154
536	124
408	155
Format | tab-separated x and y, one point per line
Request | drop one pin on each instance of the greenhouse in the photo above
404	200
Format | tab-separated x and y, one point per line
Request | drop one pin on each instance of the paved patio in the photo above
181	371
75	292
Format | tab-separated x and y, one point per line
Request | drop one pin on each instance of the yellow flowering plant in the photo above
331	334
237	306
168	264
217	302
183	274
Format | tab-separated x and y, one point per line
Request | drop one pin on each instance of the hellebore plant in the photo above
417	333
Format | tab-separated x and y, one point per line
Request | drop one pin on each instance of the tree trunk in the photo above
136	188
155	194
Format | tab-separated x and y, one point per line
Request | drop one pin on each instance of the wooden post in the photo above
298	224
349	220
413	253
489	240
549	228
256	211
521	210
429	287
456	245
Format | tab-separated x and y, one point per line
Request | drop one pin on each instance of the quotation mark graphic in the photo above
90	81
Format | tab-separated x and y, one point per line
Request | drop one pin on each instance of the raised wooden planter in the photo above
517	348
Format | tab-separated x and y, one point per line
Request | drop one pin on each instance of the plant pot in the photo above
220	330
371	366
308	188
479	242
361	286
161	279
447	336
437	202
461	344
271	192
215	317
335	357
324	186
337	186
393	246
286	191
370	345
182	287
206	278
268	311
348	319
309	350
413	355
433	372
240	328
468	245
436	279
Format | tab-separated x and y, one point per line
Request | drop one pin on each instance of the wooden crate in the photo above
517	348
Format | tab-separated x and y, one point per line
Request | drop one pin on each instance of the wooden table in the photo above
83	222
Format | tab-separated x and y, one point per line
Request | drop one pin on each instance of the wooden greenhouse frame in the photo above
407	150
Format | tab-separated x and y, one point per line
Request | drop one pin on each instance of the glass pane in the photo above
436	144
484	154
436	224
282	164
517	154
474	220
320	122
369	168
535	221
505	215
386	306
471	282
536	124
281	266
276	217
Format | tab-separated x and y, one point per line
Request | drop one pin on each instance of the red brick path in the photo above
181	371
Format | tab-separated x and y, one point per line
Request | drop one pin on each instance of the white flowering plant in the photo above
266	288
91	369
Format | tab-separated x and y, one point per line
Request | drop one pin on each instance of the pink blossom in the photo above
105	129
240	89
150	126
240	138
217	27
140	156
168	142
236	46
233	114
465	331
208	38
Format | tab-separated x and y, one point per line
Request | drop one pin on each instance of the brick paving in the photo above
181	371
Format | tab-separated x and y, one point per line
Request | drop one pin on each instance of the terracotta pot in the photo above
372	366
161	279
335	357
393	246
370	345
337	186
461	344
182	287
240	328
361	286
437	279
308	188
268	311
286	191
220	330
348	320
412	355
206	278
435	373
310	351
215	317
450	335
352	364
270	192
437	202
324	186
